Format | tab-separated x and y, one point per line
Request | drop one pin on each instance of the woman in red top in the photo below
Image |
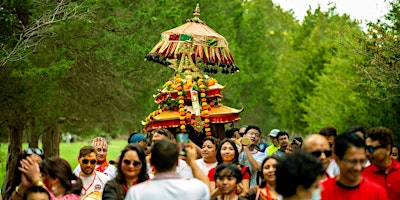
131	171
266	189
227	152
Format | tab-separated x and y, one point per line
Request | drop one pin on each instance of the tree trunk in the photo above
14	149
51	140
33	136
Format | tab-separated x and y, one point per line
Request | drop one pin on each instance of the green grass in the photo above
68	151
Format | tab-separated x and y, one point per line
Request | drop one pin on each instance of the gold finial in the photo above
196	13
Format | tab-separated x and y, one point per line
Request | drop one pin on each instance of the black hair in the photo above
300	140
345	141
395	146
143	176
297	169
164	155
260	172
228	169
230	132
219	157
356	129
281	133
35	189
252	127
213	140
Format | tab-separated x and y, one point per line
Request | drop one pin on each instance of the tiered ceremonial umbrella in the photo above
191	98
208	49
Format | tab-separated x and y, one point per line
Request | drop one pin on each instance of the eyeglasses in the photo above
135	163
355	162
253	133
372	149
86	161
328	153
31	151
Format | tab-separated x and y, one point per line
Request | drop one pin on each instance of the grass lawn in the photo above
68	151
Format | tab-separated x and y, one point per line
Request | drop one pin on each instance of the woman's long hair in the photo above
219	157
261	174
143	176
59	168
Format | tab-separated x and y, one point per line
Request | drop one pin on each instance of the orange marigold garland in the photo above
204	106
181	103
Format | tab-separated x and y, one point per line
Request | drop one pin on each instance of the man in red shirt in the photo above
349	184
383	170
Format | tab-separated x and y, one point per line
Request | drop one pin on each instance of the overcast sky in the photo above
365	10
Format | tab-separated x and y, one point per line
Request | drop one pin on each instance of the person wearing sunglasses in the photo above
318	146
131	171
100	144
350	156
37	156
330	133
93	181
384	170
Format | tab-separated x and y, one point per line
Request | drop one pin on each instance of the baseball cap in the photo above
136	138
274	132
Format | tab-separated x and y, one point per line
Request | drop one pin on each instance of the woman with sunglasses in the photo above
55	175
36	155
266	189
227	152
131	171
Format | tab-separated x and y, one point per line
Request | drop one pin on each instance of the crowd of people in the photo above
357	164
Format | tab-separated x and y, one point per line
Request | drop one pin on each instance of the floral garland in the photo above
178	104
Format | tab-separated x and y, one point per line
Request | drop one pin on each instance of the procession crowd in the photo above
356	164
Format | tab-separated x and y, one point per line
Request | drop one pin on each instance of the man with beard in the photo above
100	144
383	170
349	184
318	146
92	180
250	156
283	140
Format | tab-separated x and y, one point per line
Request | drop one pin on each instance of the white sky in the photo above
364	10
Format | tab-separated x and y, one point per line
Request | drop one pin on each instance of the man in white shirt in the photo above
100	144
250	156
92	181
167	183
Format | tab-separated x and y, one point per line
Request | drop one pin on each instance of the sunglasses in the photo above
372	149
86	161
135	163
318	153
31	151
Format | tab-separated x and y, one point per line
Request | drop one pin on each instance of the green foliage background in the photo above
90	71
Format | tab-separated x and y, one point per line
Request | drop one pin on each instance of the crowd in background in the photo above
357	164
